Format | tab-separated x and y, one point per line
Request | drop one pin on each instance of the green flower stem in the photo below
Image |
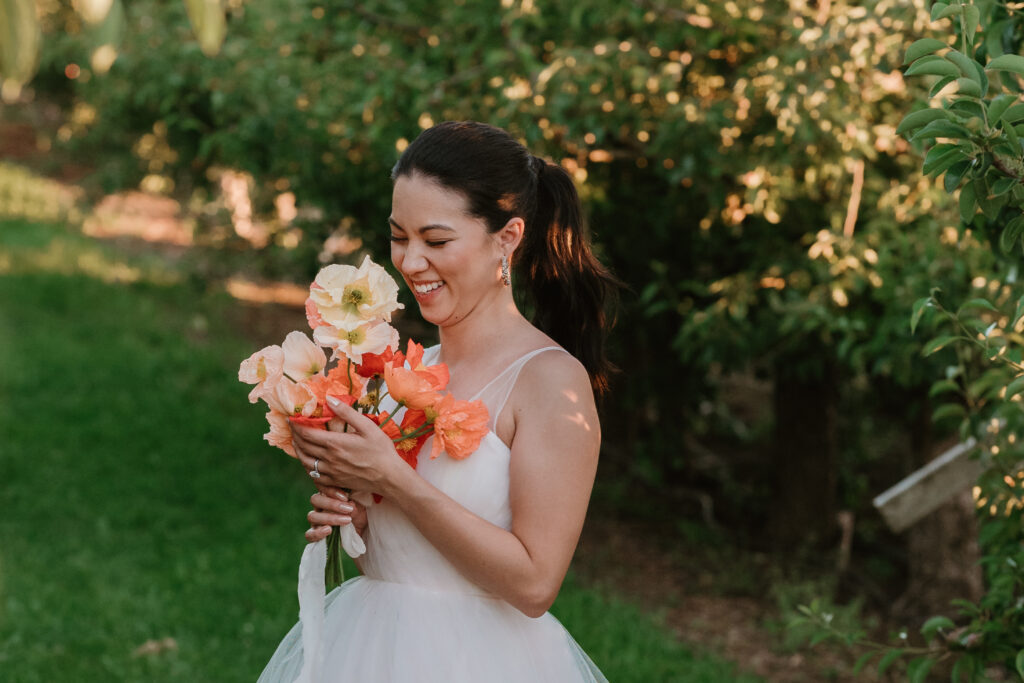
397	408
418	432
334	573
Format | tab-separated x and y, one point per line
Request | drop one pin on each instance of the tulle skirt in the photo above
382	632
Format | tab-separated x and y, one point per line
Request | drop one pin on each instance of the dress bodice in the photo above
396	551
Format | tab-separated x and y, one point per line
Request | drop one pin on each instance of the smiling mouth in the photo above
427	287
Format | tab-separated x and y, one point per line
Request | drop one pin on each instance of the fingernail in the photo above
333	401
345	507
341	495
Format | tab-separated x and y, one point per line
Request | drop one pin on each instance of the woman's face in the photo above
445	255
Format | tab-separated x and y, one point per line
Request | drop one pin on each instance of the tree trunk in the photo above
805	457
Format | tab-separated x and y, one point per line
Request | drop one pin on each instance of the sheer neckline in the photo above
437	353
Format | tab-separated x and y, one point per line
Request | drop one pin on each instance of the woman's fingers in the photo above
324	502
356	420
324	518
317	533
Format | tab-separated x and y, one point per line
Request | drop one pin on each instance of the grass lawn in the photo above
138	503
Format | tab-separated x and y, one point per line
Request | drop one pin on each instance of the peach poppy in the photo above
410	388
280	434
338	382
313	315
459	428
436	374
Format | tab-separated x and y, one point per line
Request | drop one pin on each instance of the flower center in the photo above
357	293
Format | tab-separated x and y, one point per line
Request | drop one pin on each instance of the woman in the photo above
464	557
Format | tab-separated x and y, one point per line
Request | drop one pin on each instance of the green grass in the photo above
138	502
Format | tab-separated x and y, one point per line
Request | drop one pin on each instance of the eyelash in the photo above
430	243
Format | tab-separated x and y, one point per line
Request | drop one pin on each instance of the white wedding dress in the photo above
412	617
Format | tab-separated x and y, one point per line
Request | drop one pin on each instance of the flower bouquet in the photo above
349	310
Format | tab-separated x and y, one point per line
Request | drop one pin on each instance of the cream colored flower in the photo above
302	358
291	398
371	337
346	297
264	369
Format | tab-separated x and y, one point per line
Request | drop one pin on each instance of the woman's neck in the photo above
486	328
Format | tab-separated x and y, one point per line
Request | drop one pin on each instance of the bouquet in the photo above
349	310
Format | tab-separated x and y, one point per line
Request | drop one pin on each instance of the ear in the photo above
509	236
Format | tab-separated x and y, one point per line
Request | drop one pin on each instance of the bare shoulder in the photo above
554	387
556	372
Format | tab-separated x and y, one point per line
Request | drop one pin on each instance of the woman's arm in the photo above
553	463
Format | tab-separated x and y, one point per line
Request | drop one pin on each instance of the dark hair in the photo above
569	289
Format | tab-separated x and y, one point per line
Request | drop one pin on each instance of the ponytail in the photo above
571	291
567	286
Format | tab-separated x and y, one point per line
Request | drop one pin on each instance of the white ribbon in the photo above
311	606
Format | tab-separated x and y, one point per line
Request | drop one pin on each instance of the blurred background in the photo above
174	173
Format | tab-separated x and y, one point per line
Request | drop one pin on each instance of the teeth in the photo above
423	289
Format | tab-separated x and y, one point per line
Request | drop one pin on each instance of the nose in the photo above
414	259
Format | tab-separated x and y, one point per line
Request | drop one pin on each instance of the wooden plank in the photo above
929	487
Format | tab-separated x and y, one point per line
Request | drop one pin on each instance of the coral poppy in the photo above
459	428
409	388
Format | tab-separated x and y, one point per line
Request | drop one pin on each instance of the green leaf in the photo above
1011	135
917	669
920	306
1014	113
887	660
969	87
933	66
1014	388
971	18
1018	312
978	303
943	386
1011	234
941	157
940	12
1019	663
998	106
994	38
862	661
938	343
1014	63
1003	185
921	118
940	84
920	48
941	128
959	671
949	410
968	203
955	174
933	625
964	63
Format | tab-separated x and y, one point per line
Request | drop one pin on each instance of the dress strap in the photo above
495	393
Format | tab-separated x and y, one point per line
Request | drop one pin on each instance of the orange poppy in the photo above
459	428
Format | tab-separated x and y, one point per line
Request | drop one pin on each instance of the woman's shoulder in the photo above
553	371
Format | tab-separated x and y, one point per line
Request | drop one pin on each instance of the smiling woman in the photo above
466	553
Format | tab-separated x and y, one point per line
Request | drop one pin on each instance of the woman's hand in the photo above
332	507
363	458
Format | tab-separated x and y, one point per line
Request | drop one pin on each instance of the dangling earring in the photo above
506	278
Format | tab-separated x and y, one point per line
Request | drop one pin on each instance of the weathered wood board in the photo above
929	487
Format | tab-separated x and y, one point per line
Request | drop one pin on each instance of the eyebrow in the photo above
422	230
